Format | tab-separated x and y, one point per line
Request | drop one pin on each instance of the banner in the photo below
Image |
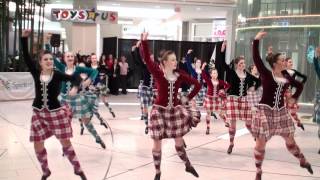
16	86
84	16
219	28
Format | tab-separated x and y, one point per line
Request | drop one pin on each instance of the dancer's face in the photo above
289	64
46	62
171	62
69	58
281	63
214	74
241	65
254	71
94	59
198	64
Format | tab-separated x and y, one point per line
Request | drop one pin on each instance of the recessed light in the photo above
157	7
198	9
58	1
115	4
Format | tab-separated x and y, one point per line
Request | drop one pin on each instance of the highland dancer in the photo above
49	117
237	105
169	117
216	95
272	117
80	104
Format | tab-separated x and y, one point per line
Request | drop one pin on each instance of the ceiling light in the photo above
198	9
115	4
157	7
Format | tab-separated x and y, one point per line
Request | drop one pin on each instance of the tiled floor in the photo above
128	153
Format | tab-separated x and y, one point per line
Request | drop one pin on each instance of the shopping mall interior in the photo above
106	43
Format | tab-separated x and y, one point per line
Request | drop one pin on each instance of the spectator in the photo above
124	67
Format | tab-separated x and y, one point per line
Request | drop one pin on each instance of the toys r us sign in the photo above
84	15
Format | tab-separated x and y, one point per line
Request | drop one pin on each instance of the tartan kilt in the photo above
93	101
79	104
102	89
238	108
139	89
254	97
268	122
213	103
317	107
201	95
45	123
172	122
146	96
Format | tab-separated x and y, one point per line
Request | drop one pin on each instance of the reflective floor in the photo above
128	153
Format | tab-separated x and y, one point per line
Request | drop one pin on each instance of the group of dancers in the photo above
266	100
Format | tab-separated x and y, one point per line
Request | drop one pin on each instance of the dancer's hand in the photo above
133	48
189	51
138	44
203	65
73	91
26	33
260	35
86	83
224	45
144	36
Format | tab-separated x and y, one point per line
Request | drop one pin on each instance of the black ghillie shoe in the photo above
190	169
146	130
230	149
308	167
81	174
258	176
301	126
99	141
157	176
45	176
207	131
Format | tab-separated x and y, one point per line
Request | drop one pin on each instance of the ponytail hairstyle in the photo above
272	58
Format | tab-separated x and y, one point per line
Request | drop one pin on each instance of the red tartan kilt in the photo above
172	122
253	98
211	103
46	123
238	108
268	122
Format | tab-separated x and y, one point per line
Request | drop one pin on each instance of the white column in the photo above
231	33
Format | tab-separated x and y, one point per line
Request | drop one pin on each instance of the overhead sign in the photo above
84	16
219	28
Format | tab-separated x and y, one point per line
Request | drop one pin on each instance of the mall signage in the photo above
219	28
84	16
